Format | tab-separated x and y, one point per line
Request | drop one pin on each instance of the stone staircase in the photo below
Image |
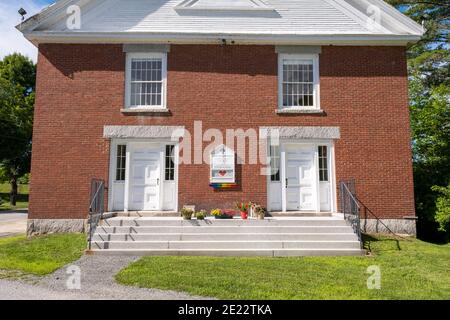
273	237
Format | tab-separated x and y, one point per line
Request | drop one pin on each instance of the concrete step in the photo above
225	237
149	222
225	229
210	245
231	252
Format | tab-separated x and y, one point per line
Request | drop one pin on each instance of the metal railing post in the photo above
96	206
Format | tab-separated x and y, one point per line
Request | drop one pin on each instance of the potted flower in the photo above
260	212
200	215
228	213
187	213
243	209
216	213
222	214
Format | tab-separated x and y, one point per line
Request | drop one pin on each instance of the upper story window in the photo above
146	80
298	81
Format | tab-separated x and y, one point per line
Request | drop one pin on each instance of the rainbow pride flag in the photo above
223	185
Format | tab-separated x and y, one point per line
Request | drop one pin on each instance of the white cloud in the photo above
11	40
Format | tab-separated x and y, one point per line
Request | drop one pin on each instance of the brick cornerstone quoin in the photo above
116	100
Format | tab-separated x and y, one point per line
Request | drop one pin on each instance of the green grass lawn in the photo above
39	255
22	198
409	270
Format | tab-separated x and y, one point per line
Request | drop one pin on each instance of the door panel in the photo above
293	184
300	179
145	179
325	196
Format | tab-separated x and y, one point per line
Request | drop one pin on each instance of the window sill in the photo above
145	111
299	111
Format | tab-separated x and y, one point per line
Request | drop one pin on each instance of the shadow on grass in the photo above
4	201
368	240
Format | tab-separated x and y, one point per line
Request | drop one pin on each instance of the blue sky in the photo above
12	40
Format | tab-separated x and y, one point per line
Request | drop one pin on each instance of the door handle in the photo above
287	182
157	181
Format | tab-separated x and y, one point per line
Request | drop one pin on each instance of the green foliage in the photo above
187	213
429	74
409	270
17	86
25	179
40	255
443	207
22	197
201	215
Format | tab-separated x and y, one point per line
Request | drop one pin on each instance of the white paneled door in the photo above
145	176
301	179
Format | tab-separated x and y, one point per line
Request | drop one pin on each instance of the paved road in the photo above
97	283
13	222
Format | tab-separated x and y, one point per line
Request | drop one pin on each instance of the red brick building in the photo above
140	98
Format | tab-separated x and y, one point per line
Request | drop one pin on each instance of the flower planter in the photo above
244	215
223	216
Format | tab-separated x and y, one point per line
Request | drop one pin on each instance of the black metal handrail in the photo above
350	206
366	209
96	206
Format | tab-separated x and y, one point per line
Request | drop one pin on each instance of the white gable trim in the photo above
355	15
392	16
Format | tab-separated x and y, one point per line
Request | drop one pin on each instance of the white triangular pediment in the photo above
223	5
265	21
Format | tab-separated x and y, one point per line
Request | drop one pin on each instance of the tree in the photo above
429	75
443	207
17	86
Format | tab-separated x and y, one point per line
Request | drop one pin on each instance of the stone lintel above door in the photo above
161	132
301	132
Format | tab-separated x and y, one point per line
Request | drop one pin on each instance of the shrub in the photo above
187	213
200	215
443	207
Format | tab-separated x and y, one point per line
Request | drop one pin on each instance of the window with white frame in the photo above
170	163
146	80
121	158
275	163
323	164
299	81
222	165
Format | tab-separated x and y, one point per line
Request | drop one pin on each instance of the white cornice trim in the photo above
215	38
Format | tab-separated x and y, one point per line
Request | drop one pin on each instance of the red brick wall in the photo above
80	89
